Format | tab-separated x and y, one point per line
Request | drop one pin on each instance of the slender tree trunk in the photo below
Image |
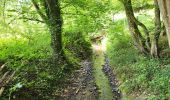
163	30
55	23
154	47
138	39
164	6
53	19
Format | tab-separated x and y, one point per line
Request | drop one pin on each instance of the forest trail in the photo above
104	77
100	78
94	80
81	85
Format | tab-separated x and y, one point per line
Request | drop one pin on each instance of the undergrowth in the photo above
36	77
138	74
141	77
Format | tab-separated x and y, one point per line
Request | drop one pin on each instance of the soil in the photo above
82	85
112	79
95	80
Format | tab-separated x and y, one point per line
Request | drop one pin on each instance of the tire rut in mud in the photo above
112	79
82	85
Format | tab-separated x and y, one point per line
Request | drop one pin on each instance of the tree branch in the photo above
32	19
39	10
145	31
73	14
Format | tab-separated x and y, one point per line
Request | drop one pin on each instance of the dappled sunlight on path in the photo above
100	47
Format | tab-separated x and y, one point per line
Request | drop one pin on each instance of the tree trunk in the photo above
154	47
138	39
53	19
164	6
55	23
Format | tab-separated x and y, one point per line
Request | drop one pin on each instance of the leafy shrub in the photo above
77	44
31	58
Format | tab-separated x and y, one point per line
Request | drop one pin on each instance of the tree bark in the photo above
164	6
138	39
154	47
55	26
53	19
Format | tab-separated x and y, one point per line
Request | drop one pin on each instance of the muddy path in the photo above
81	85
104	76
112	79
95	80
105	91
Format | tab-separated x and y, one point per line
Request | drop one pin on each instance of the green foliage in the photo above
25	48
142	4
31	58
86	16
139	74
26	57
77	44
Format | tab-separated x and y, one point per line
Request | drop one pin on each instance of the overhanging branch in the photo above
32	19
39	10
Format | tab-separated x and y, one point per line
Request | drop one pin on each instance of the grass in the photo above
100	78
31	57
141	77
